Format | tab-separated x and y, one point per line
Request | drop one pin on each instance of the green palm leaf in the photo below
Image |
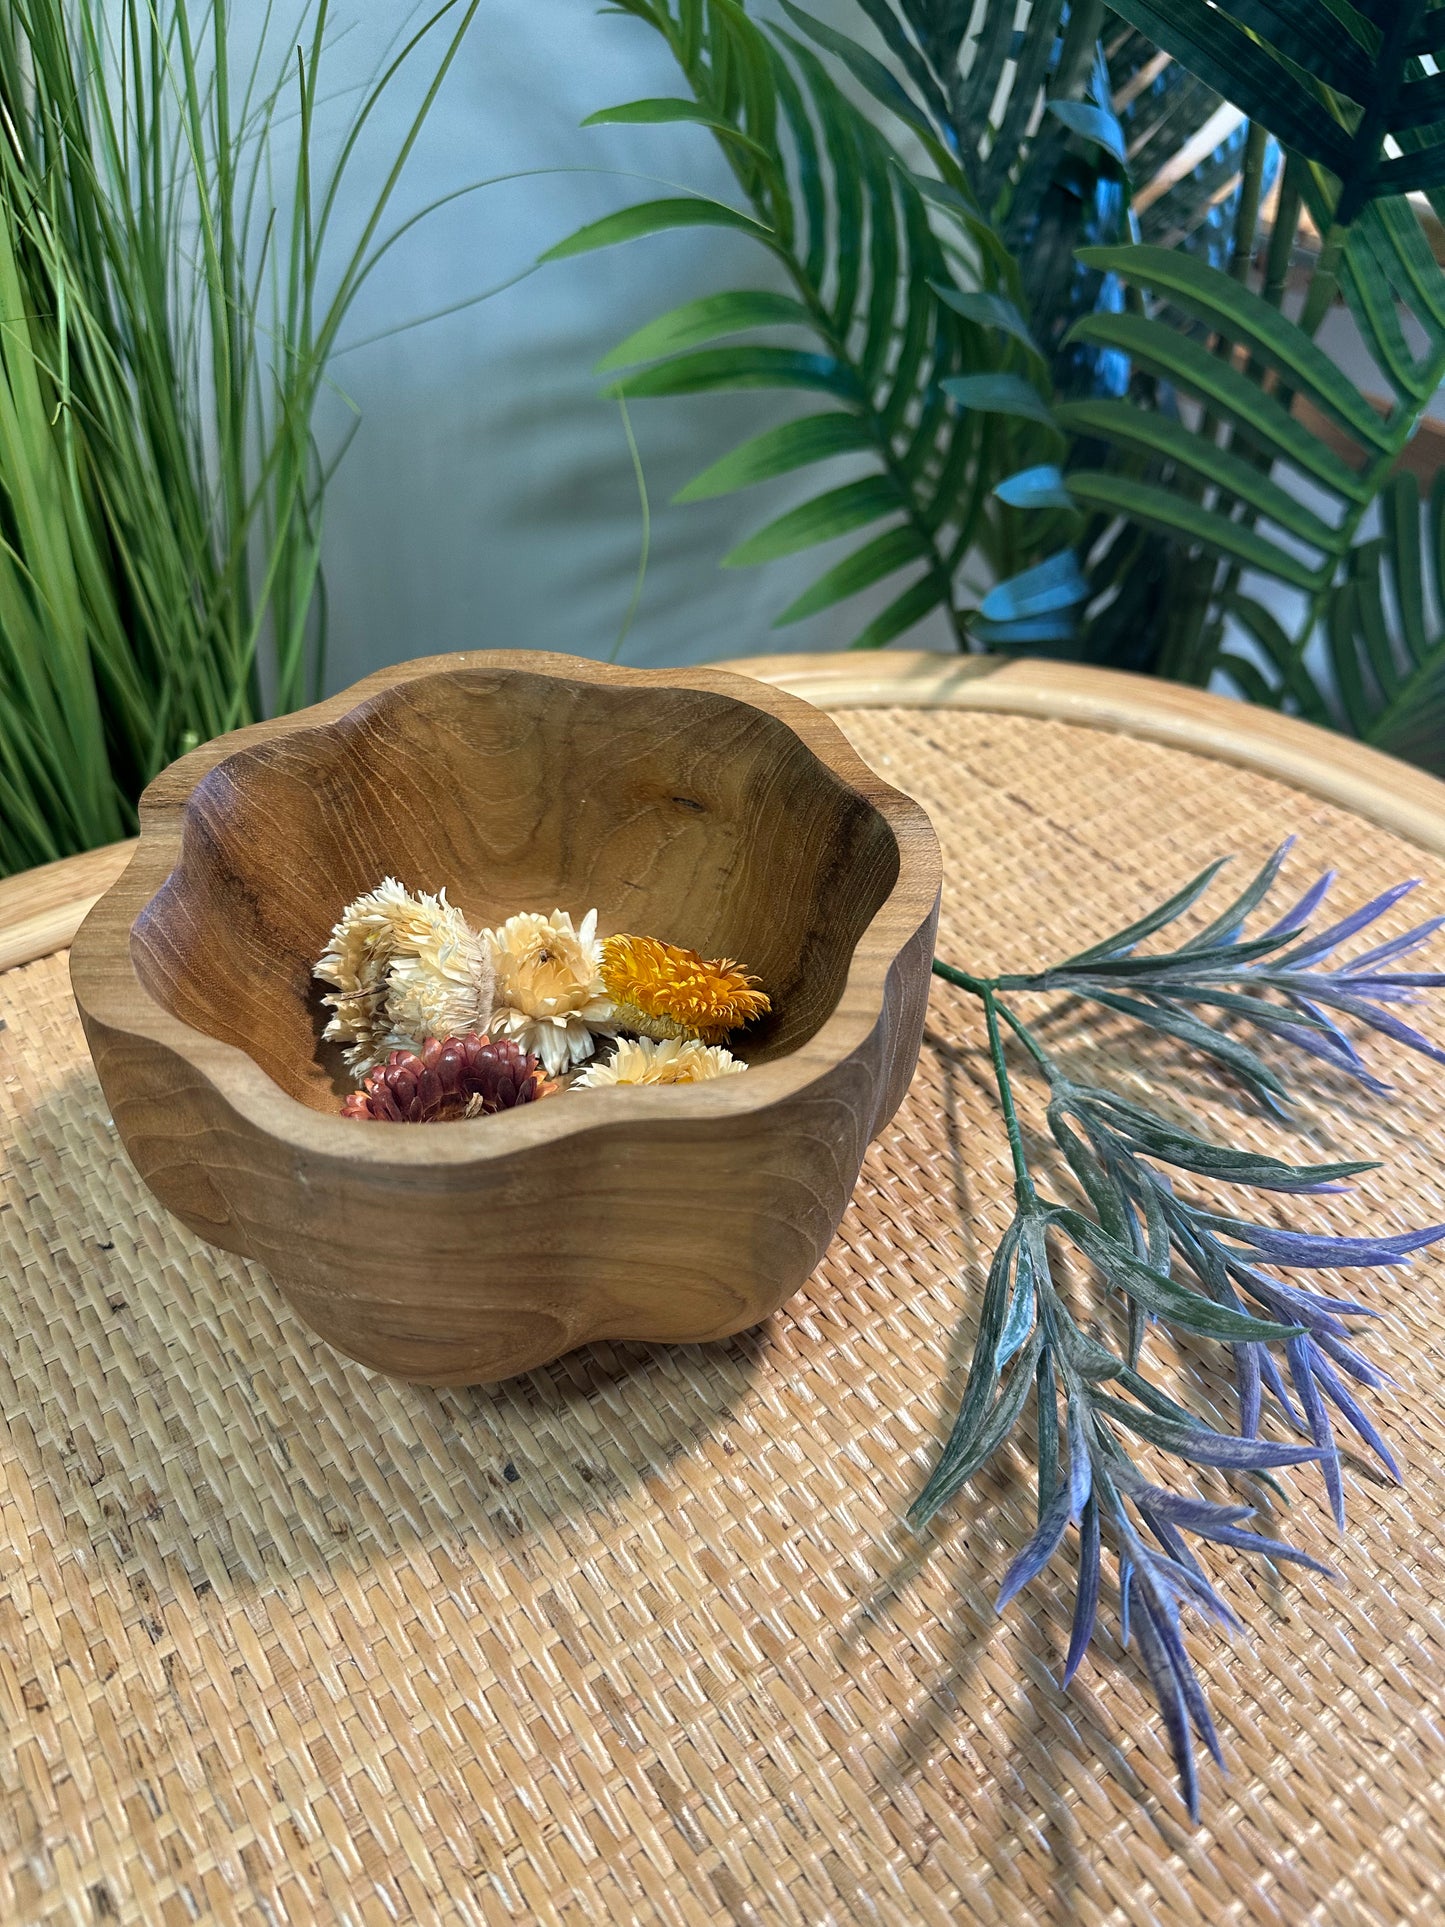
744	367
1386	630
651	113
1387	265
778	451
1222	306
1383	637
1151	505
1209	484
705	320
837	512
881	557
652	217
866	262
1164	436
946	298
1342	82
1253	415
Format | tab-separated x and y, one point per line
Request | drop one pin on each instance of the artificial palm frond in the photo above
1343	83
1243	326
1351	91
1168	1258
1081	436
1241	431
942	388
1381	673
1025	162
1386	630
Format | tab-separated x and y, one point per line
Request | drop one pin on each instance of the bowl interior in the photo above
677	813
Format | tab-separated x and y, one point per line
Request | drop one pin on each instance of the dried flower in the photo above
661	990
404	968
549	994
677	1060
467	1076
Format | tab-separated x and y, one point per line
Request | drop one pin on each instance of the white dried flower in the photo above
550	996
405	968
678	1060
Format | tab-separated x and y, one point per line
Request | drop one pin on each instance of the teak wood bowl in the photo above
693	805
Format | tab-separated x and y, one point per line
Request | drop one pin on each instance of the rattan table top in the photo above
639	1636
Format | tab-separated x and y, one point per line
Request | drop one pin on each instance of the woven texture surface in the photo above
638	1637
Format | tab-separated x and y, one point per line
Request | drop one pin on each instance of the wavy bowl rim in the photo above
253	1097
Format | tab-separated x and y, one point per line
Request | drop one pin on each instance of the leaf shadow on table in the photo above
184	1423
991	1691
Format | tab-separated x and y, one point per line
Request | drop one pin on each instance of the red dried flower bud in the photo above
452	1077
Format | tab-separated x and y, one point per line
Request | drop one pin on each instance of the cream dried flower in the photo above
404	968
550	995
676	1061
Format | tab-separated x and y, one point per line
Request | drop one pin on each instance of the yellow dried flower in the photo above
661	990
404	968
677	1060
549	991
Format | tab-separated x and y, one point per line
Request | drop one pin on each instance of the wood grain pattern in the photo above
695	805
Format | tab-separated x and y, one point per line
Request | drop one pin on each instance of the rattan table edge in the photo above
41	910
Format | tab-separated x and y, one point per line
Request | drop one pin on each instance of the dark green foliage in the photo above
1338	82
904	281
1386	630
997	310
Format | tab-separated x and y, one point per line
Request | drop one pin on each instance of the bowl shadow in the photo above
193	1432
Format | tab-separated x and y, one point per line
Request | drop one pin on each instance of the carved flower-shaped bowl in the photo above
692	805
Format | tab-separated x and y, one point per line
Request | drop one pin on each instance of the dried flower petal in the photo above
677	1060
404	968
549	994
662	990
455	1077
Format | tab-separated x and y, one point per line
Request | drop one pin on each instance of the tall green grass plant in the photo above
172	282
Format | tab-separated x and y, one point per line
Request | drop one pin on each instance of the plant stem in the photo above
1251	184
1282	234
1076	57
962	979
1030	1043
987	986
1023	1182
1324	281
986	989
1192	637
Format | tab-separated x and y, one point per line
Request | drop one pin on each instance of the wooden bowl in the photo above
693	805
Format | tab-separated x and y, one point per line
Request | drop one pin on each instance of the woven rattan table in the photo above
638	1637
